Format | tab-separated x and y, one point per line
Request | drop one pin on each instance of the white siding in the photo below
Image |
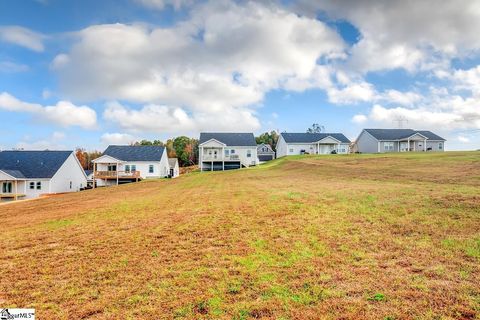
281	147
366	143
34	193
69	173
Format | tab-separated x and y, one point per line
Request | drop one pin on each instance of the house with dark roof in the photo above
227	150
123	164
30	174
398	140
311	143
265	152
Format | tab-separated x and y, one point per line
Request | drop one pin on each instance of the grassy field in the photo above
329	237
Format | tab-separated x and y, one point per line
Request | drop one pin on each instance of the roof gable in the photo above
264	145
135	153
230	138
32	164
312	137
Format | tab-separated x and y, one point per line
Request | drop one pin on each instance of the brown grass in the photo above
335	237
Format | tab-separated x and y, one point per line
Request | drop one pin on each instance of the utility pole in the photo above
400	120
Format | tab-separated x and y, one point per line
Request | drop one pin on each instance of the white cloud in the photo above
468	80
11	67
161	4
352	93
161	119
53	142
216	65
463	139
22	37
359	118
405	34
401	98
64	113
117	138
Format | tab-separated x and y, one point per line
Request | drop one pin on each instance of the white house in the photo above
30	174
225	151
311	143
265	153
398	140
123	164
174	168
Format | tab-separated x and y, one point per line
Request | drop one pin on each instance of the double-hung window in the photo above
440	146
39	185
133	168
32	185
249	153
388	146
127	168
150	168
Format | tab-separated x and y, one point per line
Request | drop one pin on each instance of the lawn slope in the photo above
351	237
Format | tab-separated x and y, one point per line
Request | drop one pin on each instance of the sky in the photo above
92	73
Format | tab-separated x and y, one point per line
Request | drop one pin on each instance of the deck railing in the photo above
220	158
114	174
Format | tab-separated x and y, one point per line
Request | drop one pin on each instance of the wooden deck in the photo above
115	174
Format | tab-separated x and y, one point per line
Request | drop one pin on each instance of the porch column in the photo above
378	146
408	144
398	146
425	146
94	170
414	147
223	158
25	187
16	190
200	157
116	166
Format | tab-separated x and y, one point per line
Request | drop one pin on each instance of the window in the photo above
150	168
32	185
112	167
7	187
127	168
232	151
70	184
291	150
133	168
388	146
227	152
39	185
249	153
440	146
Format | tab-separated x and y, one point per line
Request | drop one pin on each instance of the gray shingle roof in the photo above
396	134
135	153
312	137
230	138
32	164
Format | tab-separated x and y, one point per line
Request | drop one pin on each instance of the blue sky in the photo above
90	73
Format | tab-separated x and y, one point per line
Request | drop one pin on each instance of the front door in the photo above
171	173
7	187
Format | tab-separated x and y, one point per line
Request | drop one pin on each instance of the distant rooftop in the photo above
135	153
396	134
312	137
230	138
